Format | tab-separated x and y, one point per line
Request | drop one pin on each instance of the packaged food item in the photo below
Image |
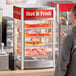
47	34
35	39
37	25
34	51
62	18
37	34
27	35
28	51
18	50
33	43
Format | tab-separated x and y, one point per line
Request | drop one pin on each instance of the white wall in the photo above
8	9
46	2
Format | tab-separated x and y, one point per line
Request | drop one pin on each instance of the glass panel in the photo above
65	26
38	42
62	29
1	13
57	42
17	40
65	23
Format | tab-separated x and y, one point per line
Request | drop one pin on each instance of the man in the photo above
66	65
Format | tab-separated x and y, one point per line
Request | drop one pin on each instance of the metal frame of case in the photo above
1	12
23	38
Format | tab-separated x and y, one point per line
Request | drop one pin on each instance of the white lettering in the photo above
37	14
30	13
40	13
46	13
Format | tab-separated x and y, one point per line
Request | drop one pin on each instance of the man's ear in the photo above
74	16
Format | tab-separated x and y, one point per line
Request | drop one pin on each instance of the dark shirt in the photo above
66	65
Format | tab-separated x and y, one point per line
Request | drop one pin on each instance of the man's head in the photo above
73	15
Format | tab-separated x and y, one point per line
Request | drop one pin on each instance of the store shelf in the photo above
39	37
35	45
39	28
40	45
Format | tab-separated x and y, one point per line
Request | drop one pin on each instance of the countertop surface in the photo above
35	72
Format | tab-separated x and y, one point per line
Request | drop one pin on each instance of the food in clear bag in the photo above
34	51
37	25
37	34
33	43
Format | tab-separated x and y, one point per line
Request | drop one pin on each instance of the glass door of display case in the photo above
34	37
63	9
38	43
64	21
1	13
65	24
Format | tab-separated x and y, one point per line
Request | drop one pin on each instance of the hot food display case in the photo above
63	10
34	37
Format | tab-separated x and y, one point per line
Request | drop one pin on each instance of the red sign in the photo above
38	14
64	7
17	12
53	4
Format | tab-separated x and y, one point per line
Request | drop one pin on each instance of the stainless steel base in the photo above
29	64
